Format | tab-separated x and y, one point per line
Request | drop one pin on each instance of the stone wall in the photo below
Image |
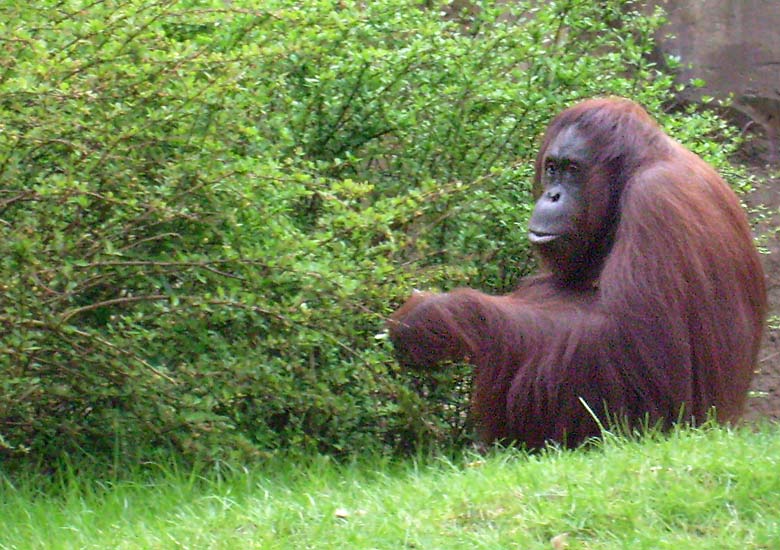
733	45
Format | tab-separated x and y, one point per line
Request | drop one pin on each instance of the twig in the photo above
768	357
126	300
124	352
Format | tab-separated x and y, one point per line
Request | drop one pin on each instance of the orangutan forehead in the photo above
571	144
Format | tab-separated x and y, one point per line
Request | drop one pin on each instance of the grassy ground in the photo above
703	489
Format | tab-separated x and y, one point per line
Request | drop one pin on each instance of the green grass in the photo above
714	488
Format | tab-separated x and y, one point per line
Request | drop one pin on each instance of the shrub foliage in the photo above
207	208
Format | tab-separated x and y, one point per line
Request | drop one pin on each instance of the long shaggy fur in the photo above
659	320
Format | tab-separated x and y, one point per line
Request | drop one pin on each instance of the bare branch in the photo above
126	300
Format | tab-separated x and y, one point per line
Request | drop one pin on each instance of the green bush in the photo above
208	208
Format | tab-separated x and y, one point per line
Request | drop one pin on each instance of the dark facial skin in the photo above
560	209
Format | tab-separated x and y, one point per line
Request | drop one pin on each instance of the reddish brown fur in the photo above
659	321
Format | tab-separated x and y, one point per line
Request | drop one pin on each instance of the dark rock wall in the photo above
733	45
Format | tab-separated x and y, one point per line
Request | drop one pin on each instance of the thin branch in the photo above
126	300
290	322
336	126
151	263
124	352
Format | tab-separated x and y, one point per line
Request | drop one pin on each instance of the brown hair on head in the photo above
621	133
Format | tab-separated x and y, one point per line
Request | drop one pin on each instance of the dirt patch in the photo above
764	203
